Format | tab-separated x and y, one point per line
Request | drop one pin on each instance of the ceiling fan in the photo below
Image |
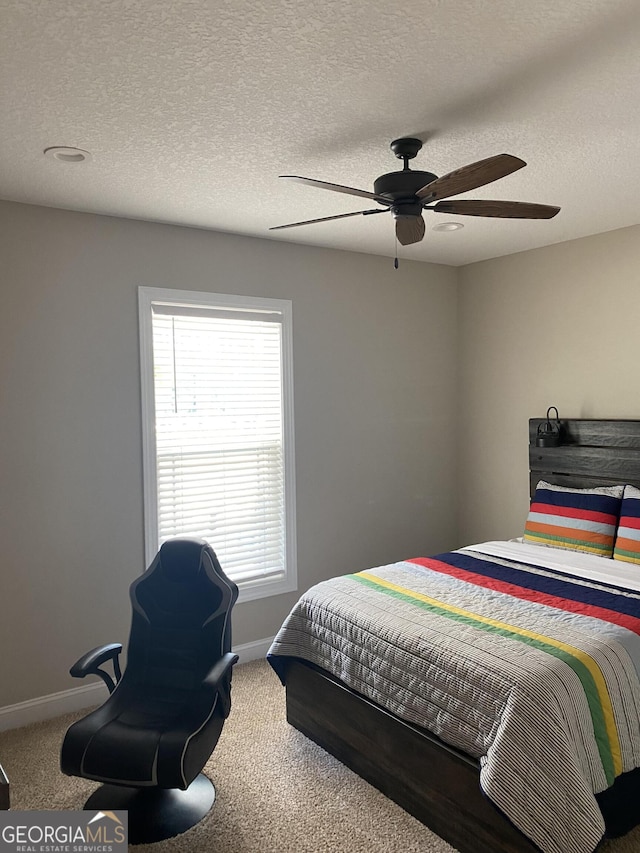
406	193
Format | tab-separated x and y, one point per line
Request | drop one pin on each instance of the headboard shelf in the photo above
593	433
592	453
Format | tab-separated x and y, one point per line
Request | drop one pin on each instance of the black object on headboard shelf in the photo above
592	453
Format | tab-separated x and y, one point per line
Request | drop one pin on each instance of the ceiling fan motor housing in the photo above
401	188
402	185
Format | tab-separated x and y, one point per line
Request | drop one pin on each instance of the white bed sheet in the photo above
589	566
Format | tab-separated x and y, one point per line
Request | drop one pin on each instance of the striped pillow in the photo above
627	545
576	519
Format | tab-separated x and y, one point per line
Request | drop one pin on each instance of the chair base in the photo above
156	813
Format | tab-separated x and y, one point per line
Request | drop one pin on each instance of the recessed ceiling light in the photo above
67	155
448	226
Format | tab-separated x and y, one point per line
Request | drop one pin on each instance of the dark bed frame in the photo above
437	784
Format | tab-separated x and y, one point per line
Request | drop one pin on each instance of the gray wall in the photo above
375	394
558	326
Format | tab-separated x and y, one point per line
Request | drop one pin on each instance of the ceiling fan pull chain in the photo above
395	260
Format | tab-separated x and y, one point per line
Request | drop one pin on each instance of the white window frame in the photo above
147	297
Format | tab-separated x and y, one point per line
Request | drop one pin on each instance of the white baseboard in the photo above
253	651
79	698
53	705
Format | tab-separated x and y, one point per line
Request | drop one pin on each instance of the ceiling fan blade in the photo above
409	229
328	218
470	177
501	209
338	188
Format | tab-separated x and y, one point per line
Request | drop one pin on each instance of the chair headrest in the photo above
180	559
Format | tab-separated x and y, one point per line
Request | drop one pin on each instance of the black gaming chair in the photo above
151	738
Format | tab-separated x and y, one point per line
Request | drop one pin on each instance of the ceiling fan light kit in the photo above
406	193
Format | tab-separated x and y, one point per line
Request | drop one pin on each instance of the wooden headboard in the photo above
592	453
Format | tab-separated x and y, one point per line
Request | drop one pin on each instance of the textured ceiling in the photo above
192	108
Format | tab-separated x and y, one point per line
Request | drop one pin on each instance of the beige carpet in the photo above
276	791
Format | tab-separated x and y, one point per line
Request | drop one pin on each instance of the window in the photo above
217	414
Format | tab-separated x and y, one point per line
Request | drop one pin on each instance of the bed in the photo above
496	763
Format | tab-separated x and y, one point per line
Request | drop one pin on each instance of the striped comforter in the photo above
503	651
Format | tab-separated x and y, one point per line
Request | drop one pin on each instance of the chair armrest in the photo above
218	679
89	664
219	669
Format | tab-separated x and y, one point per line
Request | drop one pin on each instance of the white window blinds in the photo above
219	413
